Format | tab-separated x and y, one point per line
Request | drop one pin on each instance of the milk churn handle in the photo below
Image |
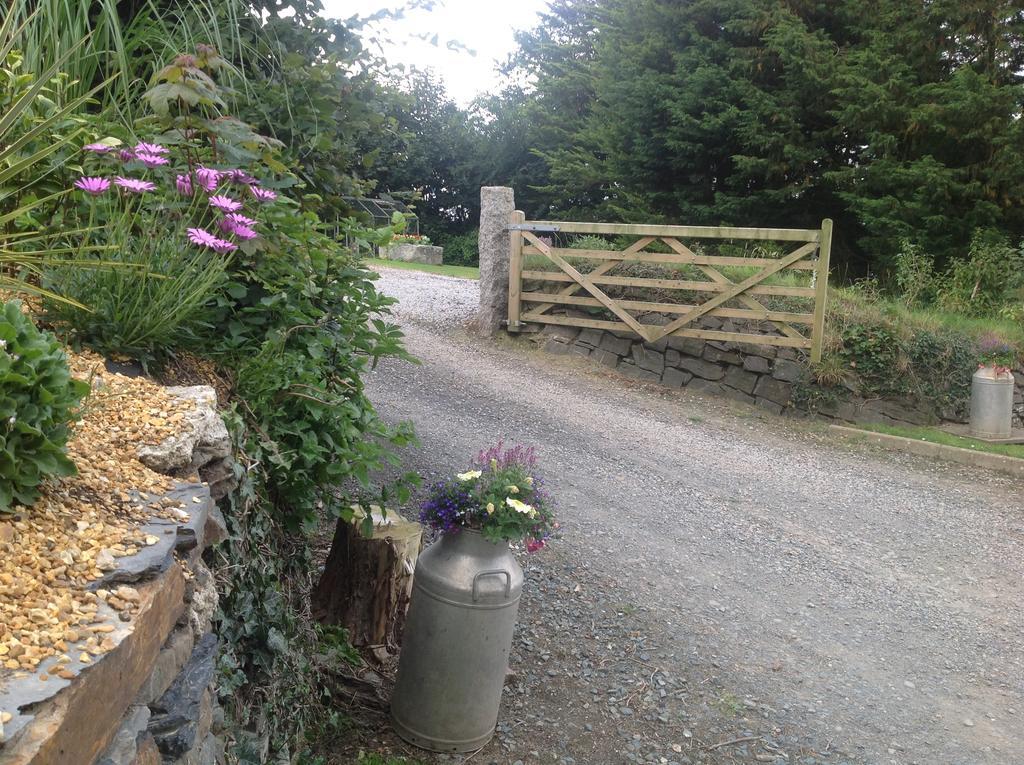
496	572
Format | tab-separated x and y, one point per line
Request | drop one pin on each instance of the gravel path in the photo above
731	586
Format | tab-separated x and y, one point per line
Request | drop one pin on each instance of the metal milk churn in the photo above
456	643
991	403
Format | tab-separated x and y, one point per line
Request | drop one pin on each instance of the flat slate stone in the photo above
788	371
618	345
184	535
701	368
675	378
757	364
607	358
175	723
631	370
740	380
774	390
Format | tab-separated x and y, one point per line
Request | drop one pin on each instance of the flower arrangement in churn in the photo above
996	353
502	496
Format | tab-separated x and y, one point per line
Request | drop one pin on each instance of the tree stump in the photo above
367	581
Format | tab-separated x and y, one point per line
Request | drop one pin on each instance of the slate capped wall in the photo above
760	375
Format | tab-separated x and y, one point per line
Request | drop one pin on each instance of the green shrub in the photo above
462	249
915	277
152	298
874	354
592	242
984	282
38	398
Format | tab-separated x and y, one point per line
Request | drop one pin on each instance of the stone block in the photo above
631	370
705	386
566	334
124	748
168	665
769	405
736	395
701	368
580	350
202	438
789	354
497	203
719	356
740	379
607	358
690	346
788	371
675	378
756	364
556	346
591	337
649	359
413	253
618	345
897	412
147	752
774	390
183	715
216	529
672	357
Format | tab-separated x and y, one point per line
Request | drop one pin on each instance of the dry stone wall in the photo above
760	375
150	700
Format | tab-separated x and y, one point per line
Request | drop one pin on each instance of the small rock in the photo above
105	560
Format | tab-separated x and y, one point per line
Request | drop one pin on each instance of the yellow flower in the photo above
520	507
490	508
529	480
513	489
494	464
469	476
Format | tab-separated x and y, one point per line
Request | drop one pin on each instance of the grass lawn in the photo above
460	272
936	436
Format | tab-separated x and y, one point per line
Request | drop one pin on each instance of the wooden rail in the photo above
812	255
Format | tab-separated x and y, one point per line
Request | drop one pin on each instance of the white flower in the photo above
469	476
3	345
520	507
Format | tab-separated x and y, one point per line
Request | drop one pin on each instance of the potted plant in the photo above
412	248
992	390
465	598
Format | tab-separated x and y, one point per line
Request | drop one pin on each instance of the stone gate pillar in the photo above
497	203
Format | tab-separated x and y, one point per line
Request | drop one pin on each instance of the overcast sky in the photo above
485	26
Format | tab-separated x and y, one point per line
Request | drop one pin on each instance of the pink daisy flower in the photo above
240	220
239	176
126	155
201	237
97	148
149	148
225	203
263	195
94	186
243	232
150	160
223	246
134	185
184	185
207	177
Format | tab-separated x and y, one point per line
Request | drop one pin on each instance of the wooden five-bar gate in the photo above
533	238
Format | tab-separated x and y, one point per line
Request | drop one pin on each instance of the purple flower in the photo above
184	185
240	220
149	148
225	203
240	230
126	155
150	160
97	148
94	186
223	246
263	195
134	185
239	176
207	178
201	237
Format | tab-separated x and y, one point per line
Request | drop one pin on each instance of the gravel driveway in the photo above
731	586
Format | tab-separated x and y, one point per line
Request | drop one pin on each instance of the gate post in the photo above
515	271
497	203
